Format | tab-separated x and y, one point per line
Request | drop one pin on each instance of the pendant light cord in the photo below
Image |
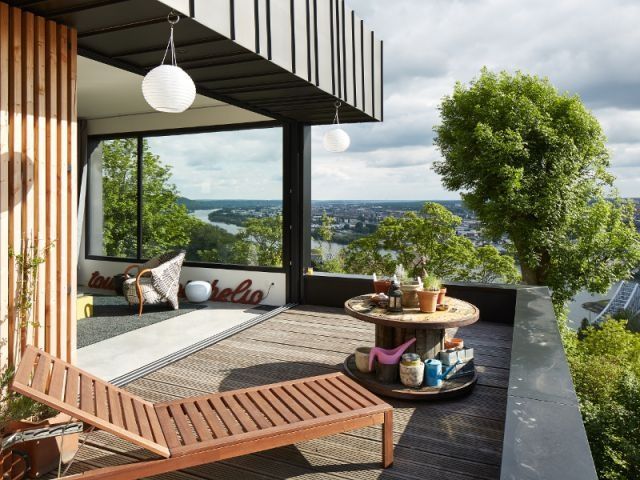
336	118
171	45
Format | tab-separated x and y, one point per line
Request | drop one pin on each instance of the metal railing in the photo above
626	298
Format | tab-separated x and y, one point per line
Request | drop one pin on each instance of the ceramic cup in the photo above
362	359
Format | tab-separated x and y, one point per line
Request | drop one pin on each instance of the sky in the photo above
241	164
585	47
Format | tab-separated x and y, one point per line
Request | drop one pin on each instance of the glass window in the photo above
217	195
113	210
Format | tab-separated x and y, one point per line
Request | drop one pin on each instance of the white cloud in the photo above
588	47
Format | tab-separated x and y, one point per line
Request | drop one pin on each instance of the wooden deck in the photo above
460	439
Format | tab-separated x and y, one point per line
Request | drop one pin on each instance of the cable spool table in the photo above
393	329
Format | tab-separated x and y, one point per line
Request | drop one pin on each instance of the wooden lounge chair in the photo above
198	430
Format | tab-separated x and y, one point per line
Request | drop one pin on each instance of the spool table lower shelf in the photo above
450	388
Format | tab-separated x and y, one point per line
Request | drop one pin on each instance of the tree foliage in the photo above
605	363
329	262
427	240
532	164
119	201
166	224
260	243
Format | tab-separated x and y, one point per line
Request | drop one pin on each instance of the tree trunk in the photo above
534	275
530	275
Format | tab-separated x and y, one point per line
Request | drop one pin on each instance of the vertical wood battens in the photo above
63	151
40	163
51	300
72	194
4	182
37	177
15	165
28	144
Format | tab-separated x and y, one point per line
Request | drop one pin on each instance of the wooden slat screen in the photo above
38	198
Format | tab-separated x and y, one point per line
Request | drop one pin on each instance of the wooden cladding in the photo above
38	197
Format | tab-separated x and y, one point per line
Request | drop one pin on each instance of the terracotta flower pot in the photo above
441	295
409	294
428	300
381	286
44	454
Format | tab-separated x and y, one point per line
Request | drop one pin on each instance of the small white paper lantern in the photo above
168	88
336	140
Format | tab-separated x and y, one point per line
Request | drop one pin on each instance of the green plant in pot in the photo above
409	288
18	412
428	296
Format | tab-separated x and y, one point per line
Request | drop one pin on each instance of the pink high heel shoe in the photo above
388	357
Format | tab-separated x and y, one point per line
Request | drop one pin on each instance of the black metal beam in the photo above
121	27
82	7
160	49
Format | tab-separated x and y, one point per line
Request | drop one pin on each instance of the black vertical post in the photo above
140	171
296	207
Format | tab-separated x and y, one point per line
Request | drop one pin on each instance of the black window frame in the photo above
139	135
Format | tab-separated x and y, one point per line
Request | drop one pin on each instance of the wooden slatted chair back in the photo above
70	390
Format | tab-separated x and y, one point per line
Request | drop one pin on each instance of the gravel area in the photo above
112	316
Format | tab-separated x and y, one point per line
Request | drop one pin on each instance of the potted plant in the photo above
410	293
428	296
442	295
17	412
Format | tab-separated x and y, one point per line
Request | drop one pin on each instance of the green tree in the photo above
605	363
120	205
427	240
209	243
260	243
329	263
532	164
165	223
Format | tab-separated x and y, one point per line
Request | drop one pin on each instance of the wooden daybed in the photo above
199	430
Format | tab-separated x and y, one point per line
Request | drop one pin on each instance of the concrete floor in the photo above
119	355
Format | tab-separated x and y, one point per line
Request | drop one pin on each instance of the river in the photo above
203	215
227	227
576	310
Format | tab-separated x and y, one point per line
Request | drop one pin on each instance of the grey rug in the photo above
112	316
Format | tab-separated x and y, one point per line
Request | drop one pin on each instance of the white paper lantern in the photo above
336	140
168	88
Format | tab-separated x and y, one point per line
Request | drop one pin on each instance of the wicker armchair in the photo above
157	281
